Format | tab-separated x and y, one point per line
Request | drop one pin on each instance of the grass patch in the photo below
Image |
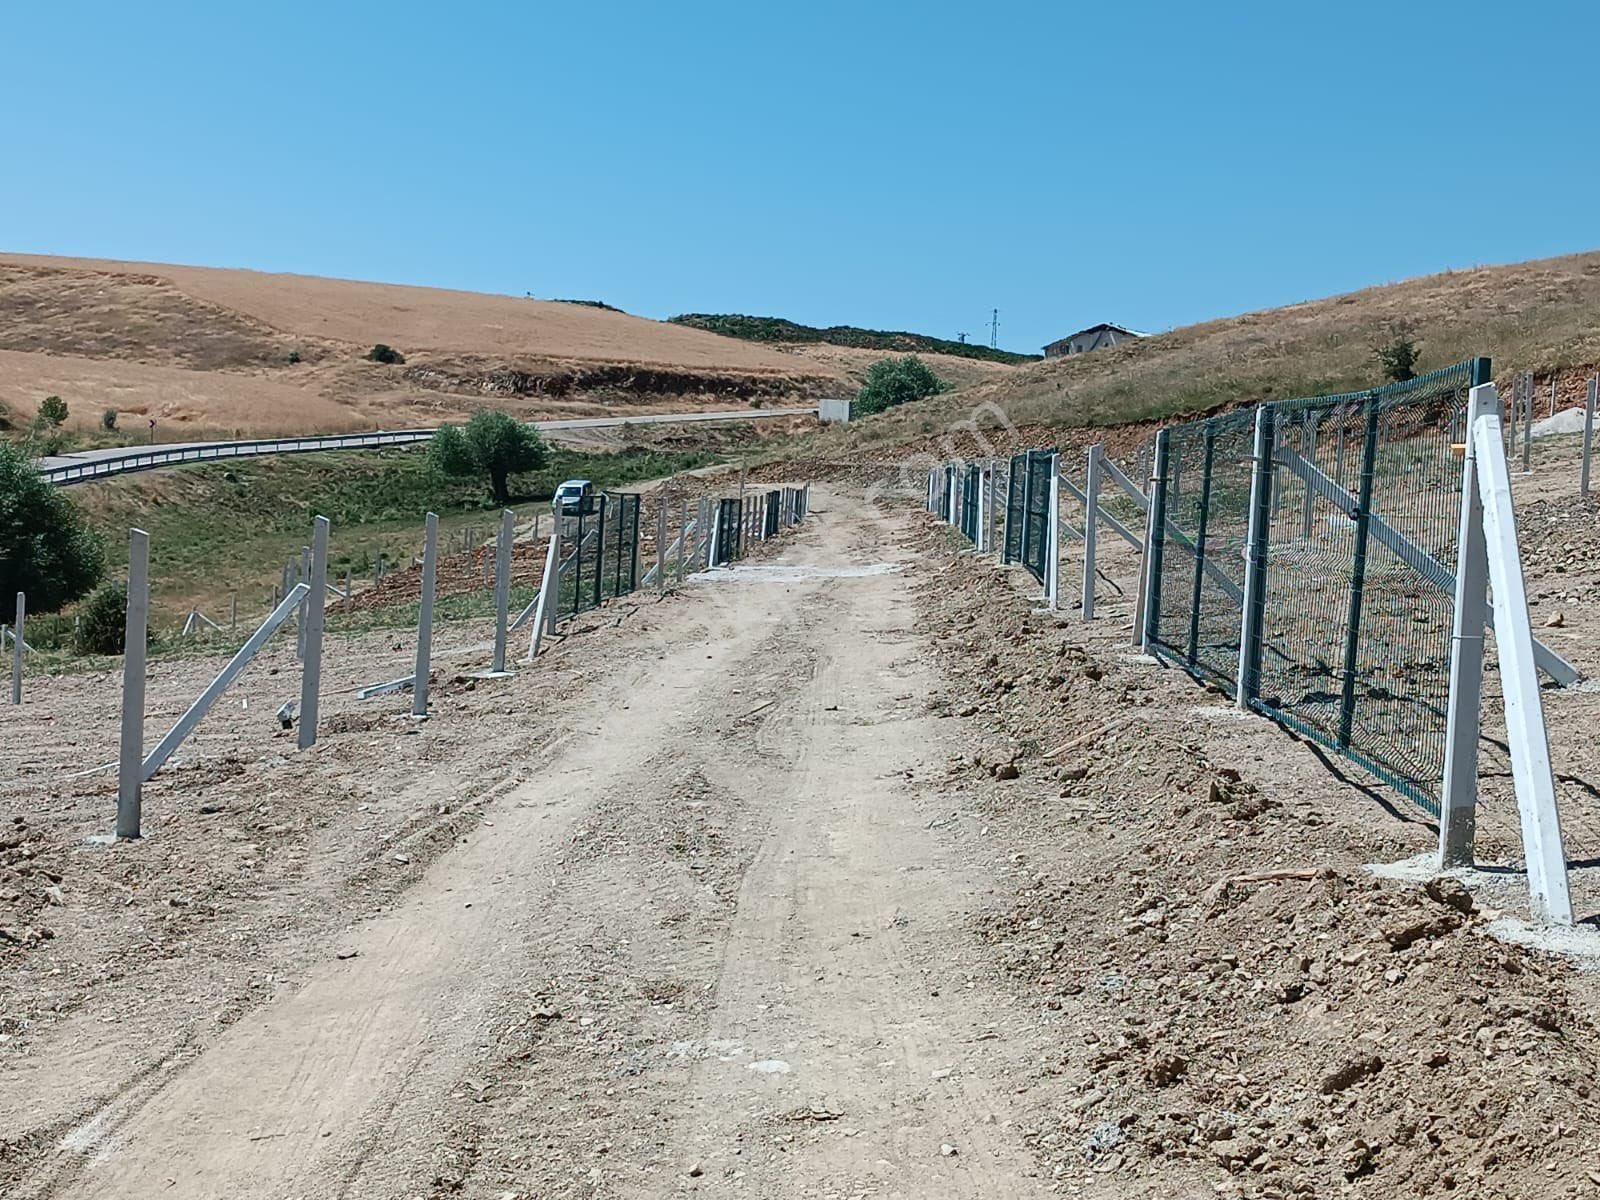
222	528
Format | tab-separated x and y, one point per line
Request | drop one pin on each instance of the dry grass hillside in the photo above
210	351
1539	316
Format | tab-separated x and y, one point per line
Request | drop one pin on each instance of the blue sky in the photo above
898	166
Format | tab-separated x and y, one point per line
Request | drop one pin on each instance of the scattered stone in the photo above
1450	892
1006	771
1409	932
949	1151
1349	1073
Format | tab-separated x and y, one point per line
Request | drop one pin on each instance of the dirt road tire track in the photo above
817	941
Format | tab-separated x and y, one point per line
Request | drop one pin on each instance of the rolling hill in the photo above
1539	316
208	351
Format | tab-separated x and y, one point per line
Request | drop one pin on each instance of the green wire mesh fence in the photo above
1357	522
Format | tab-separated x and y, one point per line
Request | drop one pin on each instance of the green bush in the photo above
53	411
892	382
385	354
294	356
108	420
494	445
46	549
103	621
1398	356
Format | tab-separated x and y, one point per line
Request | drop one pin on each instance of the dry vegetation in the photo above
1540	316
210	352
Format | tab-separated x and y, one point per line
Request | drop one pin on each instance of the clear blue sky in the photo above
892	165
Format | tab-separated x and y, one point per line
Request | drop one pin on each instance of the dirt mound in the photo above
1235	996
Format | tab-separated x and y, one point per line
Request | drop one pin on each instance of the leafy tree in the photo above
892	382
46	549
103	621
53	411
448	453
1398	356
492	444
108	420
382	353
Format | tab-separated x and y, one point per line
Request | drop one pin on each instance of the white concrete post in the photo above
1459	799
300	622
1588	431
1262	474
1527	424
315	608
502	587
661	541
130	774
547	585
1091	527
1052	542
430	562
18	636
1519	680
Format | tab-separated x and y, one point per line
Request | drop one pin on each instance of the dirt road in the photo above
716	943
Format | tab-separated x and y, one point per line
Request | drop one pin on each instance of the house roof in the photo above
1097	328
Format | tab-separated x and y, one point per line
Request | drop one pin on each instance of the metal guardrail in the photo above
154	456
150	457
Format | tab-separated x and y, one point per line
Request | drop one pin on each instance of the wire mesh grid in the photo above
1361	522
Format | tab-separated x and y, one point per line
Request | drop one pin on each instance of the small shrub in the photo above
53	411
892	382
1399	354
385	354
103	621
108	420
294	356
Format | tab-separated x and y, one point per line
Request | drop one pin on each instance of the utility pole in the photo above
962	338
994	330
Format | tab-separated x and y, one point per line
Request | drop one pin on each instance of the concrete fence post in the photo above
130	774
18	634
1588	431
430	562
316	604
502	587
547	586
1091	528
661	542
1463	713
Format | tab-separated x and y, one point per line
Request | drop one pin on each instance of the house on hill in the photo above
1092	338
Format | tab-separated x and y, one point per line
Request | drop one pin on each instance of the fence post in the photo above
502	587
1052	571
1210	446
1091	527
311	668
1526	733
1527	425
546	583
130	774
1358	574
1459	794
661	542
300	620
1588	430
233	612
1248	683
1155	536
17	641
430	563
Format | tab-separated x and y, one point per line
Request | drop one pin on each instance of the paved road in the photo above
137	456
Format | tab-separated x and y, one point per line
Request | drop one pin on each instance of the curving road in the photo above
84	465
